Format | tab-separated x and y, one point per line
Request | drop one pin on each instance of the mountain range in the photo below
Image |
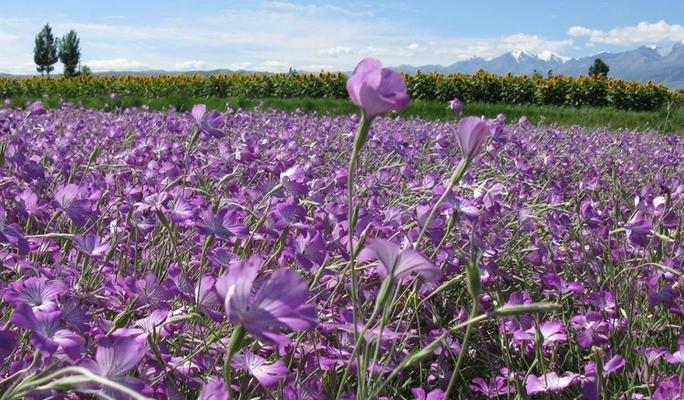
660	65
642	64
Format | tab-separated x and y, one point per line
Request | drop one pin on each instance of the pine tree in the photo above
45	52
70	53
600	68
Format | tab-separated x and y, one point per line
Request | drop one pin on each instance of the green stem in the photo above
234	345
464	347
455	178
359	140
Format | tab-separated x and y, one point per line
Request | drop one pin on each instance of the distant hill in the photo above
641	64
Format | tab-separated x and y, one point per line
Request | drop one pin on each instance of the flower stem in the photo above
359	141
464	347
234	345
455	178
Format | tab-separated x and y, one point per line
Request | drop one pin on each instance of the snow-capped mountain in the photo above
661	65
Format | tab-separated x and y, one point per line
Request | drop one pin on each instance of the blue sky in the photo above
332	35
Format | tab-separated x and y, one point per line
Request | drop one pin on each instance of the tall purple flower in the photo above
38	293
115	356
221	224
398	263
268	374
472	132
376	89
78	209
279	303
455	105
47	334
209	123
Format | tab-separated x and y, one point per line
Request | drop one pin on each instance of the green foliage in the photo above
70	53
480	87
599	68
45	51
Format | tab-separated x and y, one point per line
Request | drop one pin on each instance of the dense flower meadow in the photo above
208	255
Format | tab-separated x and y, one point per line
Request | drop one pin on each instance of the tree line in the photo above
48	49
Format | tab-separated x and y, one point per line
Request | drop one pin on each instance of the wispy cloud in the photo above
643	32
117	64
279	35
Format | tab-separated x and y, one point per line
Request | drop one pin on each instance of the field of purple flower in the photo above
208	255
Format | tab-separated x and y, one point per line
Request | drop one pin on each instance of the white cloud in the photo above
643	32
335	51
115	64
191	65
282	34
272	66
240	66
532	43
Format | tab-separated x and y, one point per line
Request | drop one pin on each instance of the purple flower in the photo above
78	209
28	204
455	105
677	357
591	327
376	89
11	234
214	389
670	389
610	366
90	245
47	335
113	96
39	293
268	374
550	382
181	210
524	123
209	123
310	251
551	332
496	387
8	339
472	132
36	108
150	292
398	263
221	224
652	354
115	356
279	303
638	228
419	394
